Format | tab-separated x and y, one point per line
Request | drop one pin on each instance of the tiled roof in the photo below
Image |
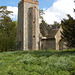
52	33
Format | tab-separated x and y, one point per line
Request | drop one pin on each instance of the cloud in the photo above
56	12
15	12
59	10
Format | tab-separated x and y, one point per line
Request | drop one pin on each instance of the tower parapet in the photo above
30	1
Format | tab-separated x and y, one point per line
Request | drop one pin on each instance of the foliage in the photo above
37	63
55	25
68	26
44	28
41	13
8	30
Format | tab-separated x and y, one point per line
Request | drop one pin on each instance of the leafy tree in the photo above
41	13
56	25
68	34
8	30
44	28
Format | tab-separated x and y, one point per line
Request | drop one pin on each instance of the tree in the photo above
8	30
56	25
41	13
68	34
44	28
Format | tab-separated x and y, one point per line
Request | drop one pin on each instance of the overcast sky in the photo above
55	10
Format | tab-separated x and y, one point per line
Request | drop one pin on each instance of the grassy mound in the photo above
37	63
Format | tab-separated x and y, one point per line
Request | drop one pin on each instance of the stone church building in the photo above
53	41
28	32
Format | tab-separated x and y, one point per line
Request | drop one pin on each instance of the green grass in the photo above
37	63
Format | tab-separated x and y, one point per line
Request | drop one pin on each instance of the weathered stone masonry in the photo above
28	25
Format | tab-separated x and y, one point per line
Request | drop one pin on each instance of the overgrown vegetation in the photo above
37	63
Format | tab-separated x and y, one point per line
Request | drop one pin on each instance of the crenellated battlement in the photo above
30	1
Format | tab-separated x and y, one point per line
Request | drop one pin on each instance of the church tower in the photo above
28	25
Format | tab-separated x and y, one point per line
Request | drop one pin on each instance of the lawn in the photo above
37	63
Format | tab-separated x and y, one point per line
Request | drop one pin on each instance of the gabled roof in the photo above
53	33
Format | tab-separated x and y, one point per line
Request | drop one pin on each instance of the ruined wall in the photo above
20	27
58	38
60	44
29	24
36	28
30	28
48	44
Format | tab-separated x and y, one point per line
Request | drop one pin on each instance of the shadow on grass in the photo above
50	53
46	53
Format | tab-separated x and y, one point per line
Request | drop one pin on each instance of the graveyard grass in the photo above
43	62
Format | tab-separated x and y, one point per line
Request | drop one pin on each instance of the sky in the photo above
55	10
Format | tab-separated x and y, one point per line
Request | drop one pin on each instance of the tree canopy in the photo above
8	30
44	28
68	34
